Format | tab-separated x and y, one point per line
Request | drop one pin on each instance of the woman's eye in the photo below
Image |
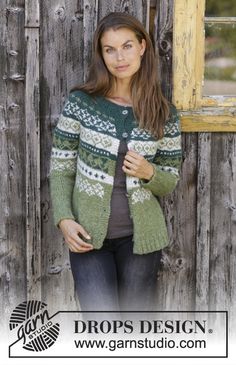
111	50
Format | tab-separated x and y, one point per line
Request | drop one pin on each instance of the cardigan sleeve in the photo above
167	159
63	161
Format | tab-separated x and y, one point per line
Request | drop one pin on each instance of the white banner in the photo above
36	333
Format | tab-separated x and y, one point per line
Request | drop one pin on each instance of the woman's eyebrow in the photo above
106	45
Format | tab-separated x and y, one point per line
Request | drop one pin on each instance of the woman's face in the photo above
122	52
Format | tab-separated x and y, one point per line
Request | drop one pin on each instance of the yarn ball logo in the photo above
34	325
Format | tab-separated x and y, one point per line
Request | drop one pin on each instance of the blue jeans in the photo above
113	278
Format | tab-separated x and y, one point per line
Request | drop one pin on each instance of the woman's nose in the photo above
119	55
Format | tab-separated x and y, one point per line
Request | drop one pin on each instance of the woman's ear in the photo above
143	47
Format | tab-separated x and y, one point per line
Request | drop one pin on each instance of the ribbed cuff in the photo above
161	183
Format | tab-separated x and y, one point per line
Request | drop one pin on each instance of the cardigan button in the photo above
125	135
125	112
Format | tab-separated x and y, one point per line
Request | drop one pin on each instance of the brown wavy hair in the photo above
150	107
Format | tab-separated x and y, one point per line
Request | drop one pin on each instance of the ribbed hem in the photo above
141	246
149	244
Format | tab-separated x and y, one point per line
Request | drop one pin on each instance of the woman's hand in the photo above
137	166
72	232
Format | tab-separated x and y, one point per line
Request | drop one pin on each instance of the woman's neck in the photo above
121	92
121	100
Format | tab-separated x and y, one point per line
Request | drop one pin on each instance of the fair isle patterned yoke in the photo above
83	160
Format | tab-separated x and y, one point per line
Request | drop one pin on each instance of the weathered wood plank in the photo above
176	282
180	211
90	24
12	150
199	61
140	9
32	13
62	65
183	65
163	35
32	162
208	122
219	100
220	19
188	54
203	221
223	226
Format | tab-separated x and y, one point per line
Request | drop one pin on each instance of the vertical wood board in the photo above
12	149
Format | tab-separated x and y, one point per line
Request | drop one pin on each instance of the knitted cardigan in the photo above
82	168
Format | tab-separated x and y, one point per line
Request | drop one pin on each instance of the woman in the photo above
116	149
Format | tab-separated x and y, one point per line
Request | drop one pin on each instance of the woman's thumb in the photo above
83	232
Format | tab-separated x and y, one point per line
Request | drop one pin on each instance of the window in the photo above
204	64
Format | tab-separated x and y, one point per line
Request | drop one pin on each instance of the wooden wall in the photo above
45	50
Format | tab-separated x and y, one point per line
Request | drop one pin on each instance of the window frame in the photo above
198	113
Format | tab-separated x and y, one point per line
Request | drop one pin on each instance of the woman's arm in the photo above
167	161
162	174
63	162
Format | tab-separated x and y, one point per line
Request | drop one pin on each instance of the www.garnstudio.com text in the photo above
146	343
141	327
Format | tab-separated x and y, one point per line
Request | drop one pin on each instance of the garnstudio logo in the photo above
34	325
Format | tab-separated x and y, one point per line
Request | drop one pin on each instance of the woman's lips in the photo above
122	68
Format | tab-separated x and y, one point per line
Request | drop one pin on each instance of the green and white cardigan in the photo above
84	153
